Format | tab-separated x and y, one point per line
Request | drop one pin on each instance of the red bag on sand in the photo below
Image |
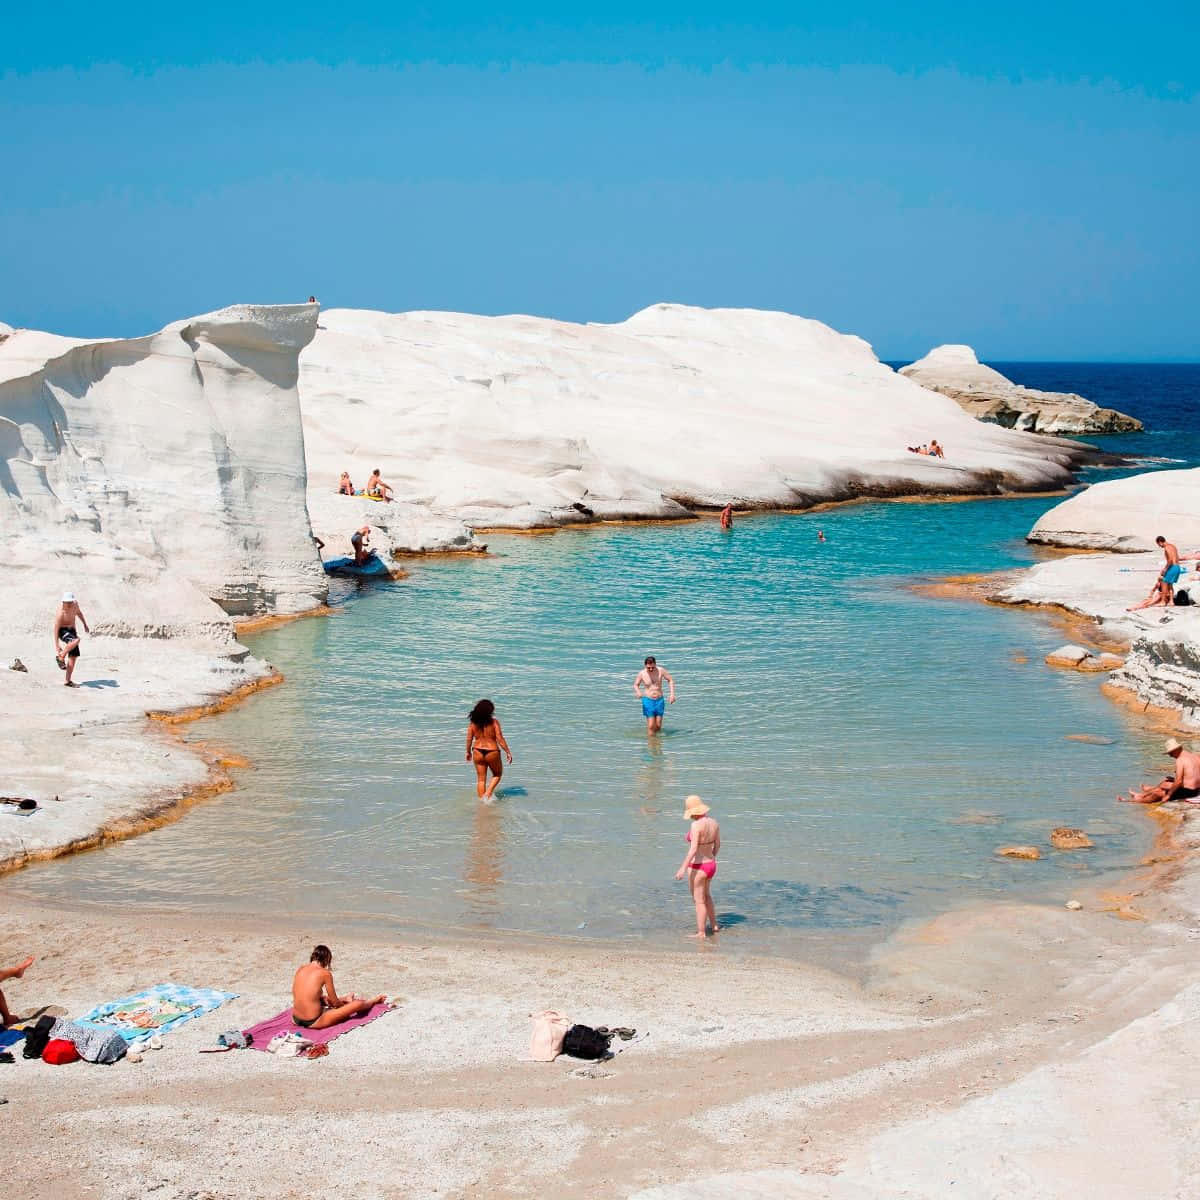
59	1052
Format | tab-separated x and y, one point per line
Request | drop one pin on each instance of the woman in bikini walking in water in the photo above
700	862
485	740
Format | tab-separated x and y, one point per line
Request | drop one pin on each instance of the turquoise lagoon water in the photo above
865	747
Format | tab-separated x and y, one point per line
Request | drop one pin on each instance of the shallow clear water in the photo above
865	746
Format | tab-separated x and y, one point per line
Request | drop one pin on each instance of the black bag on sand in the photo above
37	1037
1182	598
582	1041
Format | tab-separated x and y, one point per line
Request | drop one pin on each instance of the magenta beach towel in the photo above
264	1031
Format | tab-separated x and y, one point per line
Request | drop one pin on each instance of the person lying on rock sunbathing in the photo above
1183	785
376	486
315	1002
6	1018
1160	594
345	486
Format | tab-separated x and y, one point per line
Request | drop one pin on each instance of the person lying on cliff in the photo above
1160	593
376	486
358	539
6	1018
315	1002
66	636
345	487
1183	785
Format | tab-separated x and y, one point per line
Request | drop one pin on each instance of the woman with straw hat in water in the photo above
700	862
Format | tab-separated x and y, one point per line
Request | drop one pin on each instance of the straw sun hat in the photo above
693	806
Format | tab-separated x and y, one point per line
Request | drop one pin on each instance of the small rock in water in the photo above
1068	656
1019	852
1092	739
1070	839
1074	905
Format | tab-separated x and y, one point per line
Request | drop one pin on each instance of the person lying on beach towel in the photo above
315	1002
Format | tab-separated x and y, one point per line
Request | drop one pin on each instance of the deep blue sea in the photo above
865	746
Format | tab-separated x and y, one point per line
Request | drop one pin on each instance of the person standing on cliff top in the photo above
651	678
1171	569
1183	785
66	636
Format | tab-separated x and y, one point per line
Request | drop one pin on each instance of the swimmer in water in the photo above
821	535
727	517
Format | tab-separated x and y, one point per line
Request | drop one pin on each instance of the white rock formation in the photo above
1127	514
989	396
162	480
1163	663
520	421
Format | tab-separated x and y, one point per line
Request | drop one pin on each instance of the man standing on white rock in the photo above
1171	569
66	636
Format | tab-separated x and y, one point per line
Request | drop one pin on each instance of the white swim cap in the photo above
68	597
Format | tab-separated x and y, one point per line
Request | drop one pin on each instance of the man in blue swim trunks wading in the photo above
651	677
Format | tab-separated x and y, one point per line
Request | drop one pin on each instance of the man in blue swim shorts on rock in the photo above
648	686
1171	569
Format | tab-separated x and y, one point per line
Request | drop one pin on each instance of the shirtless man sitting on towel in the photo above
1183	785
315	1002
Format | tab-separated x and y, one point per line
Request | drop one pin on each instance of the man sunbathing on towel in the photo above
315	1002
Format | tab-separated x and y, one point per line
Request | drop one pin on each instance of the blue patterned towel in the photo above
156	1010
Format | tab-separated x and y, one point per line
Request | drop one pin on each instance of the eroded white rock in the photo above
521	421
987	395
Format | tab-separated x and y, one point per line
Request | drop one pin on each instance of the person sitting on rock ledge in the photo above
936	450
1183	785
345	486
376	486
1160	594
315	1002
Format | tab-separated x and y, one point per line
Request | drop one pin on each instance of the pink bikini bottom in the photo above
709	868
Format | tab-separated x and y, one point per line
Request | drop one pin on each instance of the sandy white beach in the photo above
991	1051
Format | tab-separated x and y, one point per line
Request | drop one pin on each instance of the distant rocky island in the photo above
989	396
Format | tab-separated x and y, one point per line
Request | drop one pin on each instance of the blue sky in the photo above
1019	177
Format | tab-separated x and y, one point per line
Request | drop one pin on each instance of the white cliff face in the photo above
161	479
989	396
171	463
1127	514
520	421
